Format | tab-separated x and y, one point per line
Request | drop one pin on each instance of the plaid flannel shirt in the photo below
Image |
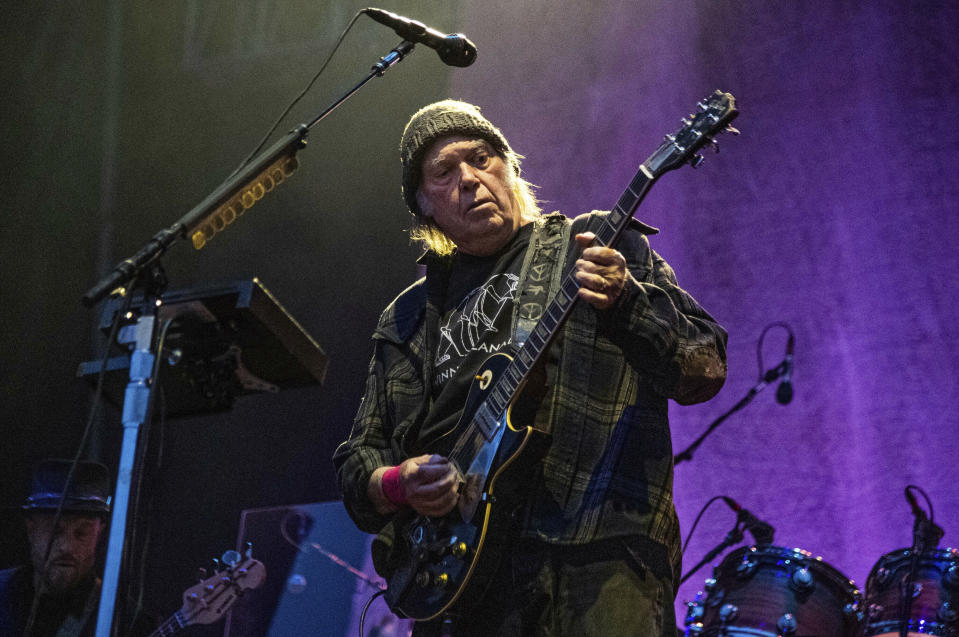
609	468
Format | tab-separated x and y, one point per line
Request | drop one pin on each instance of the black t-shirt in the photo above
475	323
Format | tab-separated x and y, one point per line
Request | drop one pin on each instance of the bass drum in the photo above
769	590
935	594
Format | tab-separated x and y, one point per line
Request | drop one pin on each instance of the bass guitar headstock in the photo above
208	601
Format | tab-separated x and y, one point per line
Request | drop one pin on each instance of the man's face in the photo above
73	553
465	189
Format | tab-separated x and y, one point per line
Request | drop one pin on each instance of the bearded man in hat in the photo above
61	587
594	548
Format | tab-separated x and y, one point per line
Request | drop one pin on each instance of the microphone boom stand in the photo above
735	536
768	377
211	215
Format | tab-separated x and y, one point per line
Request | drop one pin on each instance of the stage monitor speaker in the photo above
319	576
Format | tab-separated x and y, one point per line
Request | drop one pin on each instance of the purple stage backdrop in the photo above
833	212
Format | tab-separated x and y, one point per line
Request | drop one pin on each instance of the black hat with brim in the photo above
89	490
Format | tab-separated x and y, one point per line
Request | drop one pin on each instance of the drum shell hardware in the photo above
935	603
766	591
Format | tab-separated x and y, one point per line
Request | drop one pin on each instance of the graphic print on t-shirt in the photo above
474	325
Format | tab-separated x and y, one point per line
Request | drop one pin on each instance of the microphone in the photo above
917	511
925	532
454	49
784	393
761	531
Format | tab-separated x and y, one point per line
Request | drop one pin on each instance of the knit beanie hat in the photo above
448	117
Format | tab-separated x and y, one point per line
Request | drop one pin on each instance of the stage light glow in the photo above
244	199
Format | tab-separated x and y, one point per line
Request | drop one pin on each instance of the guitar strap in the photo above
540	278
541	273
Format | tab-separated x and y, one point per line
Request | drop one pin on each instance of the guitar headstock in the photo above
712	117
208	601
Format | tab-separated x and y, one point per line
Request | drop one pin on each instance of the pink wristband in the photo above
393	488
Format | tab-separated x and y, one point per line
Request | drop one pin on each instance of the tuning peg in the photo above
714	144
217	567
702	107
248	553
201	573
231	558
696	161
732	131
686	121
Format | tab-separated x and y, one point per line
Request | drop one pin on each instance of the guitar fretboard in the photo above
513	376
170	626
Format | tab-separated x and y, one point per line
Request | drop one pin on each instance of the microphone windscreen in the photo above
784	393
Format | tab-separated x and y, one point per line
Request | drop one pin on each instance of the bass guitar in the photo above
446	562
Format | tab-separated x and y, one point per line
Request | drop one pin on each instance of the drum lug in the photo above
787	624
948	613
714	594
951	578
916	588
694	613
874	611
802	580
882	575
746	568
728	613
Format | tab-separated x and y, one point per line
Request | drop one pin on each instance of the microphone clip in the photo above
776	372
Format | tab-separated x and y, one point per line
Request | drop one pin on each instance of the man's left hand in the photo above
601	273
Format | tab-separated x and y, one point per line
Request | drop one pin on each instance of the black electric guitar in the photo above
447	561
208	601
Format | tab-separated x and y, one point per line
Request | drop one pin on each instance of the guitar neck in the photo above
713	117
559	307
172	625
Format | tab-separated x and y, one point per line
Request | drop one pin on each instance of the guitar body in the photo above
450	558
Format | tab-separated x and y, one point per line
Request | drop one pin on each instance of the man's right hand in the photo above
429	483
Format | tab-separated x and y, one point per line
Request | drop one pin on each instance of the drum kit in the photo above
765	591
771	591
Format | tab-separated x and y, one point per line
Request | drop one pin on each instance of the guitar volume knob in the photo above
459	550
442	580
423	579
